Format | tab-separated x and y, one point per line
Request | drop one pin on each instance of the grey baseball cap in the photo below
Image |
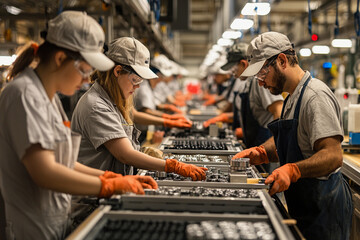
79	32
236	53
162	63
264	47
131	52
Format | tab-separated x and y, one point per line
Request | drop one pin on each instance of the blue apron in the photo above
322	208
254	134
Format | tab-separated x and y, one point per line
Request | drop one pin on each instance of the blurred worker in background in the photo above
307	141
103	116
38	150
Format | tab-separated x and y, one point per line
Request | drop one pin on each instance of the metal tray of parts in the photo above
191	146
125	224
199	159
193	199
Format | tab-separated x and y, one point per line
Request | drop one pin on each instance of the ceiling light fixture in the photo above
241	24
320	49
256	9
7	60
13	10
225	42
229	34
305	52
341	43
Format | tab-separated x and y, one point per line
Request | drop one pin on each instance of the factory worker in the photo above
103	116
307	141
38	167
145	99
253	106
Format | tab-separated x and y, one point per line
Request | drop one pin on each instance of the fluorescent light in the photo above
7	60
256	9
240	23
305	52
320	49
341	43
13	10
229	34
224	42
216	47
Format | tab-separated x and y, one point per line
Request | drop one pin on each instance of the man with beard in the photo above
307	141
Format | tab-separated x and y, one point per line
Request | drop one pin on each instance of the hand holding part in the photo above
282	177
221	118
180	103
257	155
110	174
172	108
180	123
239	133
121	184
186	170
210	101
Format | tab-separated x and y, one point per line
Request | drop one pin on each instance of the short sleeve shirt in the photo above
320	114
144	97
260	99
29	117
161	91
98	120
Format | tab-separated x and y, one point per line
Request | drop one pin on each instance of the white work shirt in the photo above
29	117
237	86
161	92
98	120
144	97
260	99
320	114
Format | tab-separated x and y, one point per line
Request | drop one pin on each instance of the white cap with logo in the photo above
162	63
131	52
263	47
79	32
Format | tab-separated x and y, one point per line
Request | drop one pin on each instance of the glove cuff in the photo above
296	174
107	189
170	165
165	116
263	153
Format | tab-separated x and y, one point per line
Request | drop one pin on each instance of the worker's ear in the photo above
117	70
282	59
60	57
244	63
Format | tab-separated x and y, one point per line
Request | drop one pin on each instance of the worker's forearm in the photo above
147	119
141	160
87	170
270	148
154	112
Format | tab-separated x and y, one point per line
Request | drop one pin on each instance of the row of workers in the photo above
302	133
39	152
38	163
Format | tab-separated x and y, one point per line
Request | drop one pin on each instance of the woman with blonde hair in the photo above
103	116
38	168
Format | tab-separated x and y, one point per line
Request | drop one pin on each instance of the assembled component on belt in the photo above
229	230
195	158
240	164
197	145
203	192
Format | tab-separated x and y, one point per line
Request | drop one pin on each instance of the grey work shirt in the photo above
144	97
320	114
237	86
260	99
29	117
98	120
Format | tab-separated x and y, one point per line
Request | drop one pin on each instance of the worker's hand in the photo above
180	103
110	174
120	184
239	133
221	118
180	123
282	177
157	137
257	155
146	182
210	101
173	116
172	108
187	170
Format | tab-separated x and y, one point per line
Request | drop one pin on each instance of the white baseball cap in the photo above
263	47
131	52
162	63
79	32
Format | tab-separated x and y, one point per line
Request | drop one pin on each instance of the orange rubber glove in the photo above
173	116
282	177
123	184
187	170
257	155
221	118
180	123
210	101
239	133
180	103
110	174
172	108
